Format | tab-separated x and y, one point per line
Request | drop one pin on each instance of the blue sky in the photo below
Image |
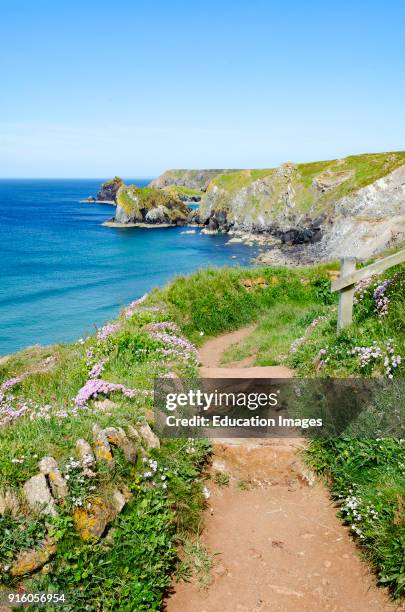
93	89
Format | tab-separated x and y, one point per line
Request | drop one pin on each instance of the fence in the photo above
349	276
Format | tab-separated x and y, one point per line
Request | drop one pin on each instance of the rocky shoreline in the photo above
117	224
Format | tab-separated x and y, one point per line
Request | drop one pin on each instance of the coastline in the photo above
109	202
118	225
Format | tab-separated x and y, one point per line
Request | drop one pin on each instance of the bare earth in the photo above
278	545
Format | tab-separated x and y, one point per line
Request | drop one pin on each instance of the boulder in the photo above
91	521
118	437
38	495
28	561
105	405
102	447
118	500
160	214
150	439
49	467
86	455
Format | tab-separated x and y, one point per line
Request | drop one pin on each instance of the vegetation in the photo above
47	401
179	191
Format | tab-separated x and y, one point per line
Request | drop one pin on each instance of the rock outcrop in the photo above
38	495
48	490
136	205
109	189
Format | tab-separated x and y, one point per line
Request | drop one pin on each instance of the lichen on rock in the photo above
28	561
102	448
91	521
118	437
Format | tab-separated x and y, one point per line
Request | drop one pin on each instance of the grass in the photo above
229	304
270	343
221	479
198	563
175	190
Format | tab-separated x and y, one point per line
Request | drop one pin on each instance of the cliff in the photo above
192	179
351	206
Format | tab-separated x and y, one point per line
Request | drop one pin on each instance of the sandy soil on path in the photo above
278	545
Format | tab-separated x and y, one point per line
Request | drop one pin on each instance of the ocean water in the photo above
63	273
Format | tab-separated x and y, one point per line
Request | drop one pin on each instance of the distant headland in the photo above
354	205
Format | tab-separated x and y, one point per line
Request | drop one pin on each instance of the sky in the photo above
127	87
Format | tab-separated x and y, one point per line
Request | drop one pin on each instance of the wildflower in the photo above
206	493
96	386
97	369
107	330
130	309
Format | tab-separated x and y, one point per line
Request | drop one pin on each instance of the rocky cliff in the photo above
192	179
354	205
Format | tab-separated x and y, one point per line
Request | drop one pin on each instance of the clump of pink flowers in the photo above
107	330
131	308
367	354
385	352
179	347
360	289
95	387
12	382
380	299
97	369
163	326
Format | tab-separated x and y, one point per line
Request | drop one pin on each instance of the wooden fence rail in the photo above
349	276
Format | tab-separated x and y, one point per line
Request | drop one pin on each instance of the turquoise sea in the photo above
63	273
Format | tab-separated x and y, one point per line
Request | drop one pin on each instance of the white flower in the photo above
206	493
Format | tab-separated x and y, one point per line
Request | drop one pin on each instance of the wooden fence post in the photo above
345	310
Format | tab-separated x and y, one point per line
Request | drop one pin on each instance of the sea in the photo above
63	274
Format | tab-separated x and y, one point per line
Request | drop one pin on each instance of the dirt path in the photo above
212	351
277	542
